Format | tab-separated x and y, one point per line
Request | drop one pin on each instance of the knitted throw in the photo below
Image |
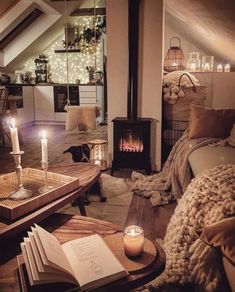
175	176
208	199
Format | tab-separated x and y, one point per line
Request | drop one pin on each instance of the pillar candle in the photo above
207	67
14	137
133	240
44	147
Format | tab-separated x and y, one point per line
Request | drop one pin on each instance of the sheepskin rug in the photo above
208	199
115	209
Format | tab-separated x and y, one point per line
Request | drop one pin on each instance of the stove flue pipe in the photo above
133	39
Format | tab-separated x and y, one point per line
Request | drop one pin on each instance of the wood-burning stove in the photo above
131	135
131	144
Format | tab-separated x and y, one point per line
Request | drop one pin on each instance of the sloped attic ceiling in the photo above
209	24
53	32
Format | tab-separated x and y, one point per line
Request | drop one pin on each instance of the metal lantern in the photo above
174	60
99	153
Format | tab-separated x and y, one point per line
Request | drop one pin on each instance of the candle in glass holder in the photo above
207	67
133	237
44	147
14	137
227	68
219	68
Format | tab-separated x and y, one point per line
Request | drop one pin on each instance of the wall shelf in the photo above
69	51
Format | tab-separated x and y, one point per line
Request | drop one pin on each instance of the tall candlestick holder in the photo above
46	188
21	193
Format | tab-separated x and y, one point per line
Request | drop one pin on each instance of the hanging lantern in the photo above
174	60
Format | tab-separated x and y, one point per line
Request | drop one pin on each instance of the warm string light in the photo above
77	62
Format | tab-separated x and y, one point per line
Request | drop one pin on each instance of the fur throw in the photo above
208	199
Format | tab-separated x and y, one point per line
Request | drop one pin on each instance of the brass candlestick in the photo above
21	193
46	188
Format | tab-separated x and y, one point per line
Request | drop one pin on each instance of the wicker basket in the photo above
181	109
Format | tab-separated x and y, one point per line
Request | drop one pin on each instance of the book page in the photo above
36	253
53	250
31	260
92	260
22	245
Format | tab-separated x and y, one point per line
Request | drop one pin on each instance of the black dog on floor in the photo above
82	154
79	153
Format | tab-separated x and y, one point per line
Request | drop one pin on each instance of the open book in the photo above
87	262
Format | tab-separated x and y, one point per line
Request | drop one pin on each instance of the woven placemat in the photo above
115	242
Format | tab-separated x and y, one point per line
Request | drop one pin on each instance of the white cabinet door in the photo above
44	103
26	114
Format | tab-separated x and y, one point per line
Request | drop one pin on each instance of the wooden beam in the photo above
20	27
88	12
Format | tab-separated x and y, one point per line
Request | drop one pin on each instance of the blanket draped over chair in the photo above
175	175
208	199
82	117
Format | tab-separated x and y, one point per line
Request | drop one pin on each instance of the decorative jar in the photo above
207	63
194	62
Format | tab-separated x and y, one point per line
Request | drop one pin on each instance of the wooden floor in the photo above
58	141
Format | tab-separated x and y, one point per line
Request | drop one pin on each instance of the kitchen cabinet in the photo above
44	103
93	95
26	113
21	101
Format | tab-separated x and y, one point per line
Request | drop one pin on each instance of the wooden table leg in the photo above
80	201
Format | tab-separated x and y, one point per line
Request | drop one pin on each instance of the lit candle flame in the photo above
13	123
132	232
44	134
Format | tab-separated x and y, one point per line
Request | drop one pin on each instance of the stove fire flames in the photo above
131	144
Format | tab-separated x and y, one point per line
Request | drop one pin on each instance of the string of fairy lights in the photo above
77	62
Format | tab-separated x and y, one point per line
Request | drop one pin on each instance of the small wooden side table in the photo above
67	227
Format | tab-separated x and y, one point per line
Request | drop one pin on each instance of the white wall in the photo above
117	62
150	66
189	42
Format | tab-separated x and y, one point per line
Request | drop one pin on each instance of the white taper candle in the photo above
44	147
14	137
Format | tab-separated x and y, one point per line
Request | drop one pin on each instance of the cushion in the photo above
230	272
210	156
231	138
222	234
209	122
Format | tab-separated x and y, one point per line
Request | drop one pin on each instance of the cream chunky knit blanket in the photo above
208	199
175	176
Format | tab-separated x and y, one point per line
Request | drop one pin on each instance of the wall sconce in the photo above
174	60
99	153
